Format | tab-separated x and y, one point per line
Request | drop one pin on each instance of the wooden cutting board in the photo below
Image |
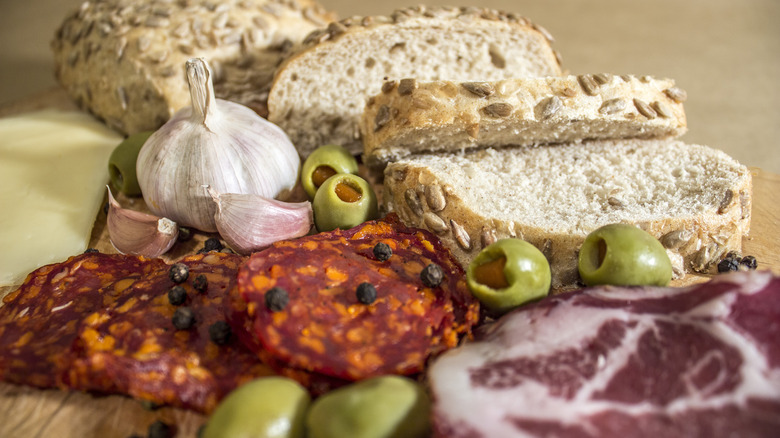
30	412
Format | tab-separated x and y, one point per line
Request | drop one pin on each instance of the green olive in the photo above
380	407
624	255
121	163
323	163
267	407
507	274
343	201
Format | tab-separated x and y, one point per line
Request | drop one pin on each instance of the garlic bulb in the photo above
217	143
137	233
250	223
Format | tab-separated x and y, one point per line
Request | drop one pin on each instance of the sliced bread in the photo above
411	117
319	92
123	60
695	199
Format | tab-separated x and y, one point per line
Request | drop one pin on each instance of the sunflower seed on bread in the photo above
553	196
526	112
320	90
124	60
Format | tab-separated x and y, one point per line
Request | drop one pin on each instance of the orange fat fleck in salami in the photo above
277	271
262	282
325	335
123	284
336	275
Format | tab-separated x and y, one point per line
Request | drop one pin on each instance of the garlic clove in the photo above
250	223
137	233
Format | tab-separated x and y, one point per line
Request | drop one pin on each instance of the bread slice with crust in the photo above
124	60
695	199
319	92
412	117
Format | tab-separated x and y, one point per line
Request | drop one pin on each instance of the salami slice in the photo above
242	323
40	320
117	332
325	329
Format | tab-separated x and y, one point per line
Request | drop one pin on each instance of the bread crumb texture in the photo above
574	189
320	91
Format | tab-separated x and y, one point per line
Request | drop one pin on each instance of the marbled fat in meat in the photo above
702	361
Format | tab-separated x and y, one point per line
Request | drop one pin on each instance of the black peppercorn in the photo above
183	318
177	295
212	244
158	429
382	251
432	275
366	293
91	251
179	273
728	264
200	283
220	332
749	263
276	299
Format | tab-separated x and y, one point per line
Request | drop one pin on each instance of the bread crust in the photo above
695	241
124	61
411	117
340	126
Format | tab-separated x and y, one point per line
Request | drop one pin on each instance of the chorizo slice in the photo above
105	323
325	329
39	321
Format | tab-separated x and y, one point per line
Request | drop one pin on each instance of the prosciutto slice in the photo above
702	361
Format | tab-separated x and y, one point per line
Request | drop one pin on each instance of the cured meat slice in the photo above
325	329
39	321
242	324
702	361
132	346
105	325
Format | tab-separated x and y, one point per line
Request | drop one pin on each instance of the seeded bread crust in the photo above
409	117
123	60
319	92
694	199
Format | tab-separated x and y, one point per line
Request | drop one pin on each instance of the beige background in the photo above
725	53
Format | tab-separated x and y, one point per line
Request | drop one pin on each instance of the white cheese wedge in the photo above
53	174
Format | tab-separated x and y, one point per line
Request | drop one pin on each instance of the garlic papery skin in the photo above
249	223
217	143
137	233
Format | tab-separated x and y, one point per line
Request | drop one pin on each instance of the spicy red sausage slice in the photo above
323	326
104	323
39	320
134	346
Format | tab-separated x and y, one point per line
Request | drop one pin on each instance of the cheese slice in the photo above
53	175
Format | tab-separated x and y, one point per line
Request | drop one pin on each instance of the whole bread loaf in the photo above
410	117
319	92
695	199
123	60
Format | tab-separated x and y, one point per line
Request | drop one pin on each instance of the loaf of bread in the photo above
319	92
410	117
695	199
123	60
